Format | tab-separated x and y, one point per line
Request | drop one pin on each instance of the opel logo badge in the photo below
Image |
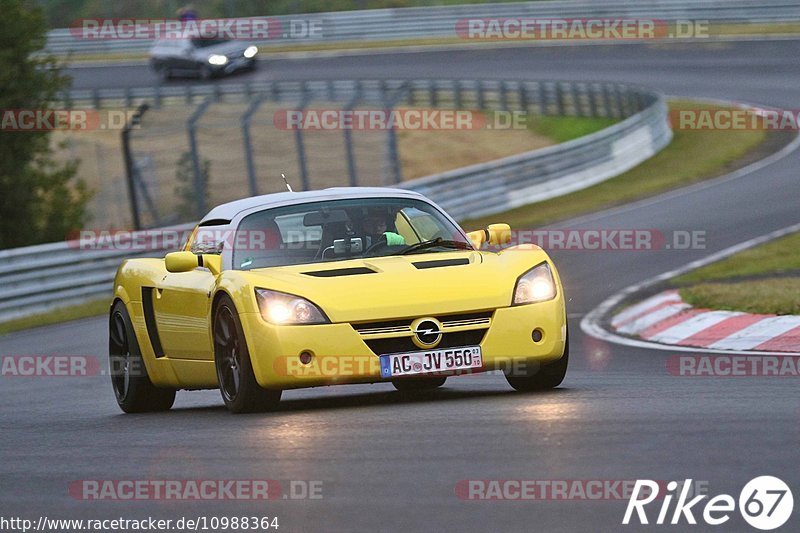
427	332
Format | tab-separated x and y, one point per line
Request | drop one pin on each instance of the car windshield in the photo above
205	43
338	230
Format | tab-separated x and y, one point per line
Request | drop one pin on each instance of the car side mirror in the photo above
499	234
494	234
187	261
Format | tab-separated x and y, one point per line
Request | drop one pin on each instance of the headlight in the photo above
217	59
283	309
250	51
536	285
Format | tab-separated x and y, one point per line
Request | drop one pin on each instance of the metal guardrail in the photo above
41	277
440	21
489	188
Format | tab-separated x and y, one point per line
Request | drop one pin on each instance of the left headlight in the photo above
217	59
284	309
250	51
536	285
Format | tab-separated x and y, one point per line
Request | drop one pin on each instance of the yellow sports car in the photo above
344	285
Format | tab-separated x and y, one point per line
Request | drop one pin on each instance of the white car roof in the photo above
228	211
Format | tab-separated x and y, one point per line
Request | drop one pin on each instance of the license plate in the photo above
411	363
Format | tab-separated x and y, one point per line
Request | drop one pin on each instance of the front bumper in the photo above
341	355
239	63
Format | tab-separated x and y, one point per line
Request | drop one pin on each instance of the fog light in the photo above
537	335
306	357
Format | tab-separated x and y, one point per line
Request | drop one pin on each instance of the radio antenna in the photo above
286	182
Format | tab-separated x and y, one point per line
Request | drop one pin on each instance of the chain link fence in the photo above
201	145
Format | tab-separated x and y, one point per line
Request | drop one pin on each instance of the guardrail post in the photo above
618	99
298	139
523	96
392	154
432	95
248	145
576	99
560	100
543	107
127	156
606	102
199	185
591	94
330	91
503	96
481	95
348	138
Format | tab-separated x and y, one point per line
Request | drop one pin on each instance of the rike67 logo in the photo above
765	503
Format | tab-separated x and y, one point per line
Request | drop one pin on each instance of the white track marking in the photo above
638	325
757	333
692	326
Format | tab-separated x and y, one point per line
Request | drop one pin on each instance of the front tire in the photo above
546	376
237	383
418	384
133	389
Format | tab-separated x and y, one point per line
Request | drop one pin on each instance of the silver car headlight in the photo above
281	308
217	59
250	51
536	285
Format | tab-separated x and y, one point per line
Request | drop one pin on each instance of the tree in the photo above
40	200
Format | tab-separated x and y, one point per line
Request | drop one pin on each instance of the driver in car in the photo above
376	228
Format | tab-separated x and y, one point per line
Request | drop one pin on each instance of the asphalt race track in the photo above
389	463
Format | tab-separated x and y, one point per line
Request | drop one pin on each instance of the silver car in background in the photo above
204	58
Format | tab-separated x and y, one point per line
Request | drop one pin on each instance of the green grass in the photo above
563	129
777	296
721	285
64	314
692	156
774	257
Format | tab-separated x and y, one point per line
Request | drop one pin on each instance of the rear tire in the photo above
133	389
418	384
237	383
546	376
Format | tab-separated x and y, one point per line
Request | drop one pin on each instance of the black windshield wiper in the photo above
436	243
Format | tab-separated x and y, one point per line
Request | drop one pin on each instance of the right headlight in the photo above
281	308
536	285
217	59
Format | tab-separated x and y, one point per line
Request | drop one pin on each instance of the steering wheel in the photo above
376	246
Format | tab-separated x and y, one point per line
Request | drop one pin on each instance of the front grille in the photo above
404	324
405	344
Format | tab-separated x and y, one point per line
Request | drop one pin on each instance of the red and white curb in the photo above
665	318
595	323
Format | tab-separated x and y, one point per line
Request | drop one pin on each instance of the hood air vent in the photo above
441	263
335	273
